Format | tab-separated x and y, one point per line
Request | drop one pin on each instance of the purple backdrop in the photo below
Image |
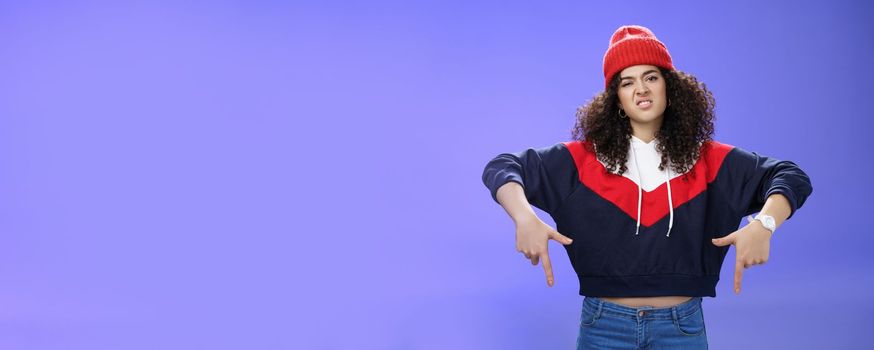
263	175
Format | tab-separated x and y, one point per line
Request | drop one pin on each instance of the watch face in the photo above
769	222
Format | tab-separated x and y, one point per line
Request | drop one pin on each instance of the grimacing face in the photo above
639	84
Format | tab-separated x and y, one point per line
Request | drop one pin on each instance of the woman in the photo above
645	203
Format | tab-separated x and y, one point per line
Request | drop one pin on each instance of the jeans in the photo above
607	325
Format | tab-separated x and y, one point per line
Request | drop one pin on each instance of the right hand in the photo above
532	238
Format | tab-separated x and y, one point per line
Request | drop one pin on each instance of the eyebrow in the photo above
644	73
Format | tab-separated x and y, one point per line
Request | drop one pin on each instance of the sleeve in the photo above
547	174
762	176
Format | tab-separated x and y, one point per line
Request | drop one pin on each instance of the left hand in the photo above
751	245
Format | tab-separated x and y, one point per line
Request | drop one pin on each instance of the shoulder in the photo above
716	146
714	151
720	150
580	150
578	147
556	150
552	156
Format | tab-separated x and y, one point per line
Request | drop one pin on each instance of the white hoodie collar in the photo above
636	142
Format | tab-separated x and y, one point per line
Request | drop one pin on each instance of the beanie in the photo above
632	45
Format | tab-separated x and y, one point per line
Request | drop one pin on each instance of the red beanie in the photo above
632	45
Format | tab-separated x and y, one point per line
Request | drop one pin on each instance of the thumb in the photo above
724	241
561	238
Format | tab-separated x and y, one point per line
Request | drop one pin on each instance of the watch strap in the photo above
750	218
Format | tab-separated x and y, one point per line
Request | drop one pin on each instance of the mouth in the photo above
644	104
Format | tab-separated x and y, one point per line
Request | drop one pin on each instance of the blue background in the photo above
267	175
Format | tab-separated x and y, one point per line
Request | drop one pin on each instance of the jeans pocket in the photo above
588	316
692	324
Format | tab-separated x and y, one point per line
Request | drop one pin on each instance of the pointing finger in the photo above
738	275
561	238
547	266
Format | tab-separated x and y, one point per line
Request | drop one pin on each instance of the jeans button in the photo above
641	313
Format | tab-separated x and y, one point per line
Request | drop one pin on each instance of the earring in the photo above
620	114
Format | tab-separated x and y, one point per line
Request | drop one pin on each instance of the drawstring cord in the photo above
640	194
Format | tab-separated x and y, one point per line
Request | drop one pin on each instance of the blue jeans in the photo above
606	325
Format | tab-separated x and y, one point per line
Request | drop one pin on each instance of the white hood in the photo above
643	160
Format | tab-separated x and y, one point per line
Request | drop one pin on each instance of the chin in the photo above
647	117
650	115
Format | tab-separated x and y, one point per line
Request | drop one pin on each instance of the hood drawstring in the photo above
670	201
639	189
640	194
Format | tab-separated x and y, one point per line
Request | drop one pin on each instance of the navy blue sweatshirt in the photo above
647	232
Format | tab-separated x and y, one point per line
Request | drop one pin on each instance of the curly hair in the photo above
687	123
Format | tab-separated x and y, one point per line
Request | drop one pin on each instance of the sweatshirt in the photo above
647	232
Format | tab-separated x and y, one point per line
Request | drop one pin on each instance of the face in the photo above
639	84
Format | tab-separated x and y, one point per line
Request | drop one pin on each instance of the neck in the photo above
646	131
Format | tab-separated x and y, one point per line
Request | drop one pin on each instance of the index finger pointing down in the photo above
547	267
738	275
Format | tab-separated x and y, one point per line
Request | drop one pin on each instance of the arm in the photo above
761	178
545	176
767	185
777	206
511	196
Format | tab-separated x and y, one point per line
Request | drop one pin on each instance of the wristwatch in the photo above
767	221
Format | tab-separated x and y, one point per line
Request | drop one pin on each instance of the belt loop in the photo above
674	313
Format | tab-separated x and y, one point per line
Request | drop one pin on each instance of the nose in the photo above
643	89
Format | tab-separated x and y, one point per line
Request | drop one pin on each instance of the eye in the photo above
654	78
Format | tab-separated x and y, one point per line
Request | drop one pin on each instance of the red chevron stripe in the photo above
622	191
